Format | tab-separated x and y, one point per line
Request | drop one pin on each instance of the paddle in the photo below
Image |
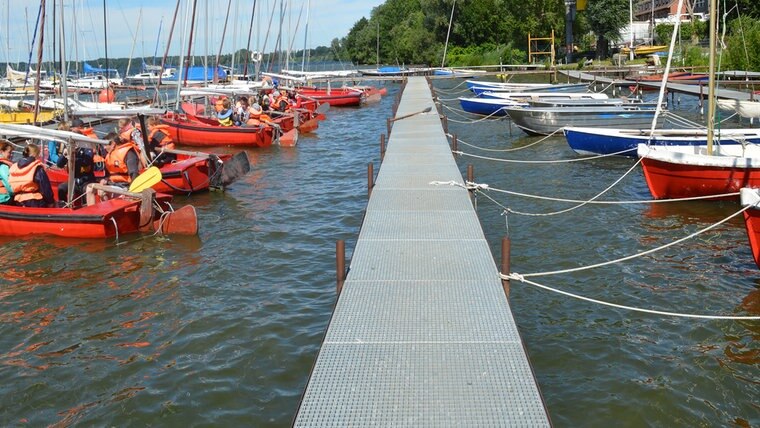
427	110
234	168
147	179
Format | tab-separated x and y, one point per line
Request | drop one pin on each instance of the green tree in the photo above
607	18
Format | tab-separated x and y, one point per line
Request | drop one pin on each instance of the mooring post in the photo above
701	103
388	126
370	178
445	121
454	147
382	147
505	248
340	264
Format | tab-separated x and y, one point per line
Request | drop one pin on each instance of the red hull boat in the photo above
203	132
752	220
342	97
105	219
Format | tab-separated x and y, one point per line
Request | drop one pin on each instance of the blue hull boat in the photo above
487	106
624	142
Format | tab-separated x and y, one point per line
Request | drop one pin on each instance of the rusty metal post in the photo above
388	125
370	178
470	173
340	264
382	147
445	121
505	249
454	147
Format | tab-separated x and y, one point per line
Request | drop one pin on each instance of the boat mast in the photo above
711	81
168	45
630	12
105	40
221	43
248	44
64	88
189	45
445	47
39	62
134	40
305	35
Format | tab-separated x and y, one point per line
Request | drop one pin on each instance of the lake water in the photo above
223	328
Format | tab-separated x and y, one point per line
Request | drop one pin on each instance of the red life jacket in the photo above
116	162
22	182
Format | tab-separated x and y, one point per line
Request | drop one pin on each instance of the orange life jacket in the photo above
116	162
22	182
166	141
126	134
89	132
4	161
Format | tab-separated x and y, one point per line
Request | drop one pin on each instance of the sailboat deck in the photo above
422	333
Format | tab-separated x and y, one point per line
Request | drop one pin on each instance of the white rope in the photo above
643	253
521	278
643	201
473	120
507	150
543	161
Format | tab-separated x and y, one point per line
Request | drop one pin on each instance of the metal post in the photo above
701	102
445	121
470	173
340	264
382	147
454	143
370	178
505	250
388	125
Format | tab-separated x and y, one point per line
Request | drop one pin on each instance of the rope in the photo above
474	120
542	161
478	186
643	253
521	278
506	150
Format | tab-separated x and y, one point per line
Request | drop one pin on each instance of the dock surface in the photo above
422	333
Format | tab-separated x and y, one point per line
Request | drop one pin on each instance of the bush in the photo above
741	51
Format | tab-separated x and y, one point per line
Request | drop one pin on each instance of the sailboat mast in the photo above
105	39
221	43
445	47
64	88
305	35
630	16
39	62
248	44
168	45
711	81
132	51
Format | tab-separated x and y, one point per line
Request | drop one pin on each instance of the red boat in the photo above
751	196
105	219
685	76
371	93
674	172
192	130
341	97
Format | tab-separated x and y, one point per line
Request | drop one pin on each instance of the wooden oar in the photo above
146	180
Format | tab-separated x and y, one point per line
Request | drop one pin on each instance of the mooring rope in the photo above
459	140
643	253
538	162
489	117
521	278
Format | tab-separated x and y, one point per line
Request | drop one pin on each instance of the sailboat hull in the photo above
680	172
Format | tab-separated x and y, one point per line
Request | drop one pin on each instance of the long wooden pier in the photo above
422	333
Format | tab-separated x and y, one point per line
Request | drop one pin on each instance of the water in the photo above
223	329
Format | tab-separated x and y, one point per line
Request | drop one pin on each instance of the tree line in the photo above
493	31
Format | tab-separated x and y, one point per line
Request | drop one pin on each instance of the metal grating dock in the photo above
422	334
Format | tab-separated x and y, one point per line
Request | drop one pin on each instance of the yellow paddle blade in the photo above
147	179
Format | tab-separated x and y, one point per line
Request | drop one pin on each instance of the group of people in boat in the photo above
261	111
26	183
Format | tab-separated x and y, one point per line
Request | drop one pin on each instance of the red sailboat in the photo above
751	197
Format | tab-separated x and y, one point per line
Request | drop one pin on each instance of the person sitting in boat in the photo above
127	132
84	172
77	125
29	181
54	148
160	140
6	191
223	111
240	115
122	162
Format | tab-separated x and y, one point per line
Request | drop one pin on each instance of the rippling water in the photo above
223	329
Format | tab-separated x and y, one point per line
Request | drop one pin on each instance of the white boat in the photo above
748	109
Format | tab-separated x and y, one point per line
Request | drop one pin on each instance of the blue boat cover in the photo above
389	69
88	69
197	73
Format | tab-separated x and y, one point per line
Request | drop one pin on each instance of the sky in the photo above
328	19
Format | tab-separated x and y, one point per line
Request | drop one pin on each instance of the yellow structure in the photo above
534	50
24	117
